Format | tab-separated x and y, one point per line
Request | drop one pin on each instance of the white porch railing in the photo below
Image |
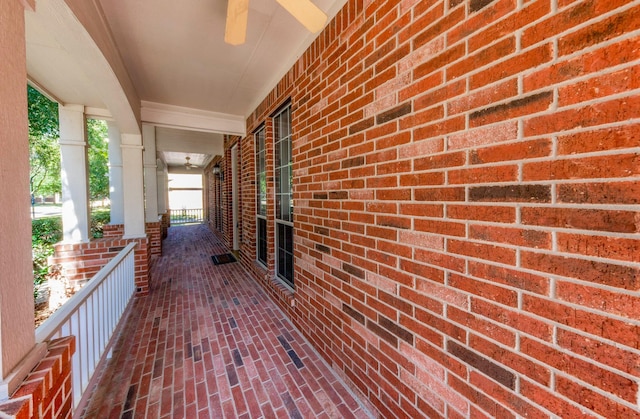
91	315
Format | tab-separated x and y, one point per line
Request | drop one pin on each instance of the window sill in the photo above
275	286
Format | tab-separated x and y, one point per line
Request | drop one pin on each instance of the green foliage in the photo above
44	151
41	253
98	155
98	221
45	232
43	115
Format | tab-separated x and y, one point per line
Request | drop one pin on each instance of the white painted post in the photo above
133	187
150	176
74	174
115	174
161	183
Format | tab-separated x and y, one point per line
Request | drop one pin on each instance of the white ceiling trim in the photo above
192	119
43	91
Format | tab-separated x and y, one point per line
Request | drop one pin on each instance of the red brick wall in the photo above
212	184
225	167
166	221
113	230
46	391
142	260
154	232
81	261
466	205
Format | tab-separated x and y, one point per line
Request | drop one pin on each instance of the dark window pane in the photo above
289	267
289	240
285	252
262	240
261	197
281	264
283	195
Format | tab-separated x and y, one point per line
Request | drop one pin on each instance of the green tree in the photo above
98	155
44	150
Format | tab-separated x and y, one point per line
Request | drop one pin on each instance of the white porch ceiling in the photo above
174	145
173	52
164	63
176	55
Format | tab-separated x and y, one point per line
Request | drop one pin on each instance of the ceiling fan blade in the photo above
236	28
306	12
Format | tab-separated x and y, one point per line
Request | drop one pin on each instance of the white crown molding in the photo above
192	119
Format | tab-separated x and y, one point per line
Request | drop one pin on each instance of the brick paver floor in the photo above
208	343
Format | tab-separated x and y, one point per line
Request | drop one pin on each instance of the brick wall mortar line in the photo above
548	412
563	205
554	371
598	100
576	78
530	227
587	310
597	390
621	9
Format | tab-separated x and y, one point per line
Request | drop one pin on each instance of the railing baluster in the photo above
77	357
185	216
82	319
98	313
94	333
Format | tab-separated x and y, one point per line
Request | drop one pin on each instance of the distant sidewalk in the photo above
46	210
53	210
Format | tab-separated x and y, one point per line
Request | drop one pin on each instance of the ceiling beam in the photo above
192	119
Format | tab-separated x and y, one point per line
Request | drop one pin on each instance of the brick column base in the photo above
46	391
154	232
166	222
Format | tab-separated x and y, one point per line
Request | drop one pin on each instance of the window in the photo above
261	199
218	202
284	196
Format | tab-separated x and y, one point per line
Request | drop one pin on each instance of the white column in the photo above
166	188
133	187
205	195
115	174
150	175
161	183
74	174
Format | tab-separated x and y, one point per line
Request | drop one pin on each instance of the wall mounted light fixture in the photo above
218	172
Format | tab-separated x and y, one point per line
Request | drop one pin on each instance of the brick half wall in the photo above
46	391
81	261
